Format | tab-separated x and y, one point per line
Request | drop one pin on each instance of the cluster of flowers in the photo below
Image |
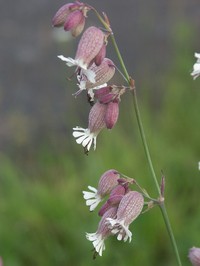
122	207
93	71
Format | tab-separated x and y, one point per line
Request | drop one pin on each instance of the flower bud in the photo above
112	114
115	197
104	95
73	20
79	28
61	15
100	56
194	256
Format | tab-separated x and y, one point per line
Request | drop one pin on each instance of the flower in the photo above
196	68
194	256
129	208
96	123
102	232
106	183
72	17
103	73
100	116
89	47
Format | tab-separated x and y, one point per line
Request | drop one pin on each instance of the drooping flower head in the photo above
103	73
95	124
100	116
106	183
196	68
72	17
102	232
129	208
90	45
194	256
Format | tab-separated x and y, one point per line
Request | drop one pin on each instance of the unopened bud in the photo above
100	56
112	114
73	20
62	14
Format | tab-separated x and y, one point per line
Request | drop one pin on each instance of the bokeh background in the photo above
43	217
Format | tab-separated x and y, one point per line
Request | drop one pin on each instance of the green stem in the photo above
170	232
146	149
141	129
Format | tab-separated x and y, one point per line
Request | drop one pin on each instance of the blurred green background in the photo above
43	217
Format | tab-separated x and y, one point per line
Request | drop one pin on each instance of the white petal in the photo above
197	55
88	195
82	85
84	137
81	139
69	61
87	142
90	74
97	241
92	189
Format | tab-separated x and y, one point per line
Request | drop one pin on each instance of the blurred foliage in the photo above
43	217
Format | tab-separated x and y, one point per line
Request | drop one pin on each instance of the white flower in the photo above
128	210
102	232
79	63
85	137
92	198
196	68
98	242
120	229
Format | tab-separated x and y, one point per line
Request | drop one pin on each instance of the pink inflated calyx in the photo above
104	94
108	181
115	197
130	207
61	15
89	46
112	114
73	20
100	56
128	210
103	73
97	117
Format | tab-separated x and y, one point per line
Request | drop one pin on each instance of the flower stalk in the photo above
130	82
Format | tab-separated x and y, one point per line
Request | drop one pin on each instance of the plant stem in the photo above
170	232
141	129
